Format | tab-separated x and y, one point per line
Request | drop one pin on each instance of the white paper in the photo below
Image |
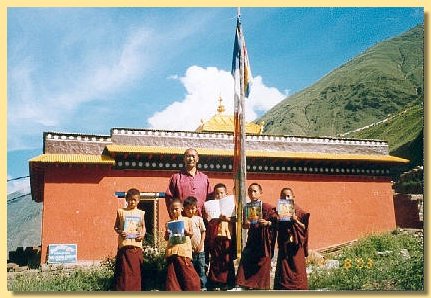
212	209
227	206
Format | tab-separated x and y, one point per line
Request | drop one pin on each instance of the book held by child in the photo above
253	211
176	232
285	209
132	226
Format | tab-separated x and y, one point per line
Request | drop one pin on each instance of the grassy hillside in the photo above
404	133
384	80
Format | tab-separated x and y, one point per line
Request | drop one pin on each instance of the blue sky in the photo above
86	70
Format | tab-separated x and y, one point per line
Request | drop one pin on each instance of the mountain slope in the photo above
399	129
24	221
383	80
404	133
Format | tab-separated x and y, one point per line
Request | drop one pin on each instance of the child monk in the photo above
254	270
130	227
181	275
292	249
221	237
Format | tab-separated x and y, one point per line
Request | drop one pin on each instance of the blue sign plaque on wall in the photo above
62	253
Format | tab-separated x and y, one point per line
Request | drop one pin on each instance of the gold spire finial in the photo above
262	126
220	108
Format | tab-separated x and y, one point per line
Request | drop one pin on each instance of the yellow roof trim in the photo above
255	153
73	158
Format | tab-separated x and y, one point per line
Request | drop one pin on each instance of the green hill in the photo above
385	79
404	133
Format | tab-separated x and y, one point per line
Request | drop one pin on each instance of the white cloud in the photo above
203	88
22	185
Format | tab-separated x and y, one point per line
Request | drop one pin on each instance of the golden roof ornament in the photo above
225	123
262	126
220	108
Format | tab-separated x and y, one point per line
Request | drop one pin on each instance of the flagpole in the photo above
239	154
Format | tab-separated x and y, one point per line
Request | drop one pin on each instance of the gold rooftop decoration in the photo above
225	123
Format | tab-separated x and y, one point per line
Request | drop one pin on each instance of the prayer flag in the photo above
242	79
241	73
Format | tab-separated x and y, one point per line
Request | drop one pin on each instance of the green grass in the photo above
363	268
94	279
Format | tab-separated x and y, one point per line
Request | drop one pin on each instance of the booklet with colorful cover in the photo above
285	209
132	226
253	211
176	232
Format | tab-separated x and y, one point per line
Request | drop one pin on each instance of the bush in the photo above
153	269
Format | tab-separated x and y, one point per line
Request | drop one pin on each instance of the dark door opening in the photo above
150	206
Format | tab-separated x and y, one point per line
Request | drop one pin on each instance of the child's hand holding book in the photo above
264	223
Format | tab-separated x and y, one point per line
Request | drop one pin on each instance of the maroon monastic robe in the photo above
181	275
222	254
255	265
291	269
127	274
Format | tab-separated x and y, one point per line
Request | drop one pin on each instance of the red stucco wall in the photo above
80	205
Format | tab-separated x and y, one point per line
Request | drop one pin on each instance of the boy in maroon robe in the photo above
221	241
130	227
292	242
254	270
181	275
